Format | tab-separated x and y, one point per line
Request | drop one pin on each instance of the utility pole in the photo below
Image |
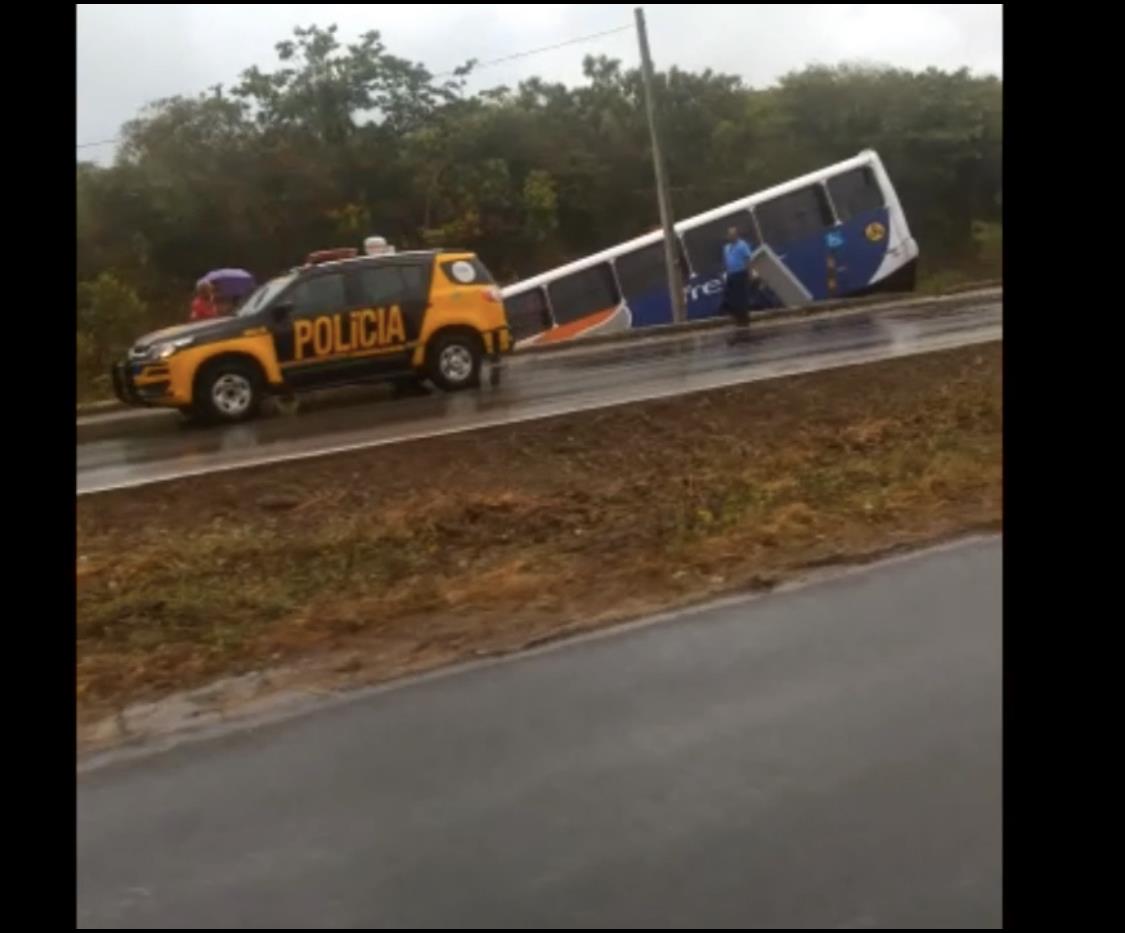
671	254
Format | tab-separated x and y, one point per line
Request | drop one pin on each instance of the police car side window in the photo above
414	282
323	294
381	286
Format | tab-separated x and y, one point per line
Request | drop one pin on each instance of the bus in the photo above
834	233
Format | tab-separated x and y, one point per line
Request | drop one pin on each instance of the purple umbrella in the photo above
231	284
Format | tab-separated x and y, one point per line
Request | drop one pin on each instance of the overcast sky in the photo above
131	54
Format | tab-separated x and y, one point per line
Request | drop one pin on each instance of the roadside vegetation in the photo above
370	565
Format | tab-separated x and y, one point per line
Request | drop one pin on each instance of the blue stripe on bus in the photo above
857	256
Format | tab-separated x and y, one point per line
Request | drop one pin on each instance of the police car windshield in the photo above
265	294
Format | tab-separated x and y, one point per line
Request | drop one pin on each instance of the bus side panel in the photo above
807	259
705	296
650	307
831	264
862	248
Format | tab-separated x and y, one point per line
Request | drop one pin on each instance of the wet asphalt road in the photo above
134	448
825	757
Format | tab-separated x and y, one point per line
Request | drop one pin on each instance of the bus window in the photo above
528	314
644	270
855	192
794	217
581	294
705	242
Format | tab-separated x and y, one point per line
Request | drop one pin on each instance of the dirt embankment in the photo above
373	564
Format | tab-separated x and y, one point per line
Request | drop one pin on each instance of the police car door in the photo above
307	329
391	298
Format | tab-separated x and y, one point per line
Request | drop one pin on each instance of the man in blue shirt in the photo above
736	300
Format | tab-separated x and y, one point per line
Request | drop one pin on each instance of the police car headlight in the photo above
164	350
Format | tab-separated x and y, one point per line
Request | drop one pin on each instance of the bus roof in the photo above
867	157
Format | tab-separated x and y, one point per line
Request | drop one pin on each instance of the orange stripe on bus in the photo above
565	331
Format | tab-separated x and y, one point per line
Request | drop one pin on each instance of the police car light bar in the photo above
331	255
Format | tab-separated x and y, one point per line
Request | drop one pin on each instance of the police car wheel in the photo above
455	361
229	391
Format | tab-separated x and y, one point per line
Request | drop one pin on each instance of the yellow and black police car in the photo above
435	314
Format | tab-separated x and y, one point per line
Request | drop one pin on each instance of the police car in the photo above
339	319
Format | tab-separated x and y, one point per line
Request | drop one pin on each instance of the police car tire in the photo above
473	351
205	406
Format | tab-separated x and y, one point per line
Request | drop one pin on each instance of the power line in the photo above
546	48
100	142
450	74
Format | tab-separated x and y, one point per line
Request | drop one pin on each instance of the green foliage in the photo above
988	239
110	315
341	141
540	204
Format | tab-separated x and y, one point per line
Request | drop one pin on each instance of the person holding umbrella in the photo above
228	287
203	305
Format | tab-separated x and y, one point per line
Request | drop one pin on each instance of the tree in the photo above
343	140
110	316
